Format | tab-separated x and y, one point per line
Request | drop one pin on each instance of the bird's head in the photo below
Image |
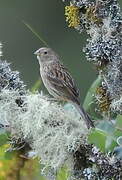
45	54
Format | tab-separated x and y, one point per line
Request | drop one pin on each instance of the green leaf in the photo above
89	104
62	174
98	138
107	127
103	139
90	93
117	133
3	139
36	86
110	143
9	155
2	151
119	121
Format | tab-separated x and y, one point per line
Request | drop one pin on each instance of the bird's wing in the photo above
59	76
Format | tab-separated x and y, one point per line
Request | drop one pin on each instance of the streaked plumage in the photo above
58	80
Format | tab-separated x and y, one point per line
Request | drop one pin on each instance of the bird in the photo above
59	82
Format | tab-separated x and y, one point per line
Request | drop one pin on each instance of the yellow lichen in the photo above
91	15
72	15
103	99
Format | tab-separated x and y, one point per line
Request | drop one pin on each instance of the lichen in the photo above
10	79
52	132
103	99
102	21
72	15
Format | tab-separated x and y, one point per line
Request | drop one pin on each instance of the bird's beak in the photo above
36	52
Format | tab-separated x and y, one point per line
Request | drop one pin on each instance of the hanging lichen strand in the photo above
103	22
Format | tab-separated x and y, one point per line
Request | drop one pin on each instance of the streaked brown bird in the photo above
58	80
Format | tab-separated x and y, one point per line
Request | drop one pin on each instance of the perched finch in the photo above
58	80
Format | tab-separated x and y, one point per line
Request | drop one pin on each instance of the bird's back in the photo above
57	78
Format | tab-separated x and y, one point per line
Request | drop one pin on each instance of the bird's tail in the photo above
84	115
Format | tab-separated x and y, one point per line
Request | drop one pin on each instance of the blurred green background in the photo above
47	18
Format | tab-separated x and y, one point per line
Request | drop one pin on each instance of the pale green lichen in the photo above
52	132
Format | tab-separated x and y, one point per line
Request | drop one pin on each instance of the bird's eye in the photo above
45	52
